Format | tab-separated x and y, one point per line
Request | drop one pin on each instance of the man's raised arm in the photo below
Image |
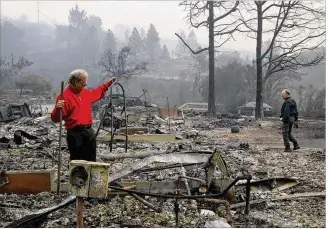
99	92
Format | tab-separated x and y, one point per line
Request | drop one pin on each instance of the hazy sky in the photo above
167	16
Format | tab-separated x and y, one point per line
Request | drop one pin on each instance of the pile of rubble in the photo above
287	189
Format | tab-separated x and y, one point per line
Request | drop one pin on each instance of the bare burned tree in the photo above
294	27
9	66
118	65
211	15
275	84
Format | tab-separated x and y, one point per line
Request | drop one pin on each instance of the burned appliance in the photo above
14	111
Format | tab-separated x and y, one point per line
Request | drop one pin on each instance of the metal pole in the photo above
38	11
111	119
168	114
60	146
247	205
124	110
126	140
126	117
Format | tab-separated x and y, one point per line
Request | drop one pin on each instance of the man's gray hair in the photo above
286	91
77	75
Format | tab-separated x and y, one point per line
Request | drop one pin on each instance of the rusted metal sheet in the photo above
27	182
170	186
165	112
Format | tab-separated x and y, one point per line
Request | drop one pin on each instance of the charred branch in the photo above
185	43
296	26
228	12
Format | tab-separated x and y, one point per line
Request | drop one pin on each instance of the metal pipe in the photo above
101	121
168	114
167	167
145	98
183	172
60	146
143	201
233	183
105	113
111	119
176	211
124	110
126	130
191	178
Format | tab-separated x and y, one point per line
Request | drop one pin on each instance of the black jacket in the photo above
289	109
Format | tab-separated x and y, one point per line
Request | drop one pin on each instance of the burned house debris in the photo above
181	137
189	175
14	111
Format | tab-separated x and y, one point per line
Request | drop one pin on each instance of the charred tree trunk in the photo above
259	93
211	100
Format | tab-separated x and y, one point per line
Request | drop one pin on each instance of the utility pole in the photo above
38	11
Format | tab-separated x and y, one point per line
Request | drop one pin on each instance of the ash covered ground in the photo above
263	158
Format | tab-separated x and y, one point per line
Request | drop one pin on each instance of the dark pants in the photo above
82	143
287	135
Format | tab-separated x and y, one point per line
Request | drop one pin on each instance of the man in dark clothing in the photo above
289	117
76	107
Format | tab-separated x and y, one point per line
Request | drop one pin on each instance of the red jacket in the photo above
77	108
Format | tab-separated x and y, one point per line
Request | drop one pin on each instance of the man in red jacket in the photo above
77	114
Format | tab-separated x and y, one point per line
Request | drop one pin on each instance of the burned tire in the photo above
235	129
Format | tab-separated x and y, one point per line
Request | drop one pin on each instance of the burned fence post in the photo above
80	212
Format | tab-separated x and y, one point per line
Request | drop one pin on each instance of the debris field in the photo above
287	189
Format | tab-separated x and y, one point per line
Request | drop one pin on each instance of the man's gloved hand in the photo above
295	123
